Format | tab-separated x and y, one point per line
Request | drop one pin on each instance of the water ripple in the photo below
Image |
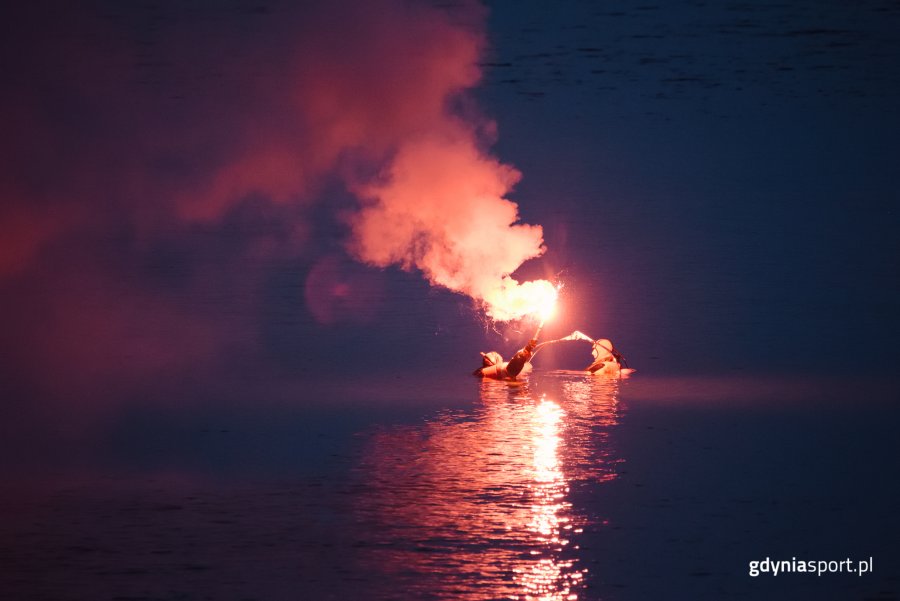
477	504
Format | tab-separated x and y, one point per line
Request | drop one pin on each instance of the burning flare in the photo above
548	304
514	300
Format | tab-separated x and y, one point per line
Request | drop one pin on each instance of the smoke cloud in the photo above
440	208
168	162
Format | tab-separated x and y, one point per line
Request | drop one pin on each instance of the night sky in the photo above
717	185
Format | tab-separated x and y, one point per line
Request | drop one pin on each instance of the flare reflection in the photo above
548	577
478	504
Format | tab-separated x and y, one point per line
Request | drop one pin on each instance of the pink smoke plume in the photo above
440	209
155	185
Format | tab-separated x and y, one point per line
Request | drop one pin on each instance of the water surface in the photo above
560	487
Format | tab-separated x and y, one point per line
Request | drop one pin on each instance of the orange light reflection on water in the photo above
476	504
550	578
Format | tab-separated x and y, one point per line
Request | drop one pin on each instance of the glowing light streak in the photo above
550	578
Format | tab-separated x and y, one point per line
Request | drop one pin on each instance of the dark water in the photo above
562	487
479	504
